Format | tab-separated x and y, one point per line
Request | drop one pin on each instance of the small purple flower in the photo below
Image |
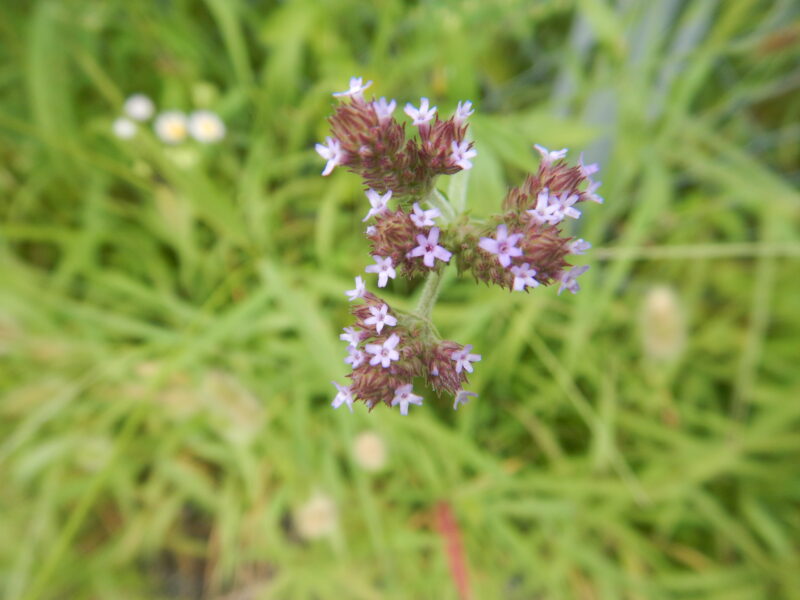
351	335
384	268
549	157
355	357
569	279
332	152
566	201
404	396
380	317
370	230
356	89
383	109
503	245
589	194
423	114
462	397
463	110
463	358
358	292
579	246
587	170
344	396
524	277
424	218
547	210
384	353
461	154
377	202
429	249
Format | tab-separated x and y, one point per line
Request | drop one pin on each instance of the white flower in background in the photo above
206	127
171	126
139	107
316	518
369	451
663	324
124	128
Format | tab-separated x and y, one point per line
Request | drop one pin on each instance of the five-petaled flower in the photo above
355	357
421	115
359	290
385	353
569	279
429	249
356	89
380	317
463	110
378	203
462	397
384	267
579	246
461	154
404	396
503	245
424	218
343	396
383	109
548	210
332	152
524	277
565	201
351	335
548	157
463	358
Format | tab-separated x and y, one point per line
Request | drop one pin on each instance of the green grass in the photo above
169	317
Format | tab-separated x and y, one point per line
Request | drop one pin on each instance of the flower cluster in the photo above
171	126
521	248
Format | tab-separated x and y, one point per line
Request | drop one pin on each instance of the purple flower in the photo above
549	157
524	277
404	396
547	210
378	202
333	153
355	357
384	109
579	246
424	218
589	194
351	335
463	359
422	115
344	396
429	249
503	245
569	279
461	154
358	292
370	230
356	89
462	397
384	268
380	317
384	353
565	201
587	170
462	112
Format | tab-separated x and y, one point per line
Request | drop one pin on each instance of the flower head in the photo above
524	277
463	111
503	245
569	279
332	152
356	89
343	396
380	317
423	114
358	292
171	126
463	359
424	218
206	126
429	249
385	353
548	157
384	267
404	396
123	128
139	107
383	109
461	154
462	397
378	202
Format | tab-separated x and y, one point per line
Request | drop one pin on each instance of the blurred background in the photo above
170	309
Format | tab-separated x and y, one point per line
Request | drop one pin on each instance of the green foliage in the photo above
169	316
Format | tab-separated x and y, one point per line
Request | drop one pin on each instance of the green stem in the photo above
430	292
